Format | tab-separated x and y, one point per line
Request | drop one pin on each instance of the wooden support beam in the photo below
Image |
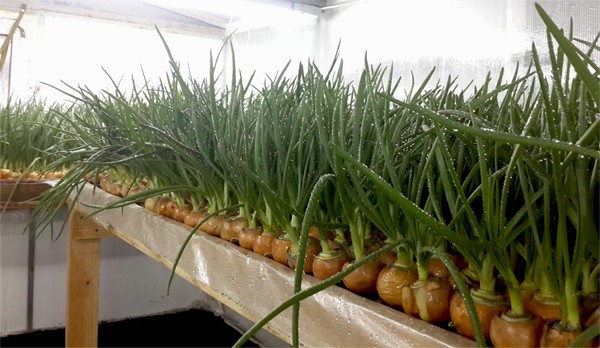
83	270
87	228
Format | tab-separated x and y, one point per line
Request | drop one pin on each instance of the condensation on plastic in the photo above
464	39
253	285
13	217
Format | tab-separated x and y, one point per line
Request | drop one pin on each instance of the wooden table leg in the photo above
83	269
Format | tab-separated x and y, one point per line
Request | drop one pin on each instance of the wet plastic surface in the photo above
253	285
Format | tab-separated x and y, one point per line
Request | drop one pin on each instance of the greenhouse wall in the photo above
266	50
462	38
488	37
61	49
33	277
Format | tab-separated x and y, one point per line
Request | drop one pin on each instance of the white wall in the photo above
60	48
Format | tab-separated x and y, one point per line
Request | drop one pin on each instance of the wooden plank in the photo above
83	270
86	228
24	191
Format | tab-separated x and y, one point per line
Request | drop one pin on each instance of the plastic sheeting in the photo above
464	39
253	285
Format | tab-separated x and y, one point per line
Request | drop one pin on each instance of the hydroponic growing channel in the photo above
416	219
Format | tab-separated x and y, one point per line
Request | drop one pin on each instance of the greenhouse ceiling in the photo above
209	17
